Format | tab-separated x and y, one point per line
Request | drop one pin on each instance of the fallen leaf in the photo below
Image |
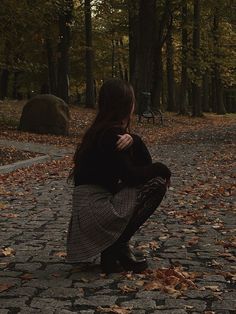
154	285
55	275
27	276
193	241
154	245
114	309
7	251
127	289
2	205
189	230
139	283
84	280
213	288
175	293
188	307
3	265
9	215
5	286
60	254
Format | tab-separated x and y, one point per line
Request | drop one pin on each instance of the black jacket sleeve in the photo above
125	161
139	151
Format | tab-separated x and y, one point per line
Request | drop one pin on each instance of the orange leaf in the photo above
114	309
127	289
61	254
154	285
7	251
9	215
26	276
5	286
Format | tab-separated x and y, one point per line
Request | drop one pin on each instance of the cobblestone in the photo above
146	304
38	280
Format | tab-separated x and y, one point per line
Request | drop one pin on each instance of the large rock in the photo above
45	114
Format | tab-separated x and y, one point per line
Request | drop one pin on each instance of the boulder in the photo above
45	114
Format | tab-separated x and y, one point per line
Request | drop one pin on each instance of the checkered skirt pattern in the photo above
99	218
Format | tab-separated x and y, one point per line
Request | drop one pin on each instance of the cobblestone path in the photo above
194	228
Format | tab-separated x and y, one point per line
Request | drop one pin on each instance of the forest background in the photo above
182	52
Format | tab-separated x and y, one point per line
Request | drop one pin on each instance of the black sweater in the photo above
104	165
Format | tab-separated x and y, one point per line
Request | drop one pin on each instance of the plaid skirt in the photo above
99	217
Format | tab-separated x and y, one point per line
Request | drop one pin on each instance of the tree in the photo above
147	10
65	19
216	79
171	100
133	11
196	89
183	94
90	99
162	25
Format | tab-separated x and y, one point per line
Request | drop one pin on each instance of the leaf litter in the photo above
207	186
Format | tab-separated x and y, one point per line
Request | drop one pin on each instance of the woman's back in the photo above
104	165
98	163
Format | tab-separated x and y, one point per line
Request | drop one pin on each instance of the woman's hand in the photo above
124	141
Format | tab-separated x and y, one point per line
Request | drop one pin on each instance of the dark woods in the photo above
179	51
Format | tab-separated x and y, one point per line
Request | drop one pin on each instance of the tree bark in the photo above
4	84
171	101
65	17
147	11
133	10
161	24
112	58
183	94
15	85
205	93
196	88
157	80
213	93
89	57
218	88
52	72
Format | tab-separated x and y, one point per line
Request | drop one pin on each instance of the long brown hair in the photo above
115	102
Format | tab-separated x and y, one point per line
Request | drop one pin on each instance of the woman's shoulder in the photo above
109	136
113	131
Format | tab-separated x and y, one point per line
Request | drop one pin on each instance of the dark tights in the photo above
149	198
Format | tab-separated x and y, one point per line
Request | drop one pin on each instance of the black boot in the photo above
128	260
109	263
121	255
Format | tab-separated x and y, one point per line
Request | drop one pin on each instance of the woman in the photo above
117	187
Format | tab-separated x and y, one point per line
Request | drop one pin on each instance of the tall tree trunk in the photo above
213	93
161	25
15	85
90	99
122	66
171	101
183	94
113	58
220	108
52	72
196	88
147	11
121	74
205	92
4	84
157	79
65	17
133	9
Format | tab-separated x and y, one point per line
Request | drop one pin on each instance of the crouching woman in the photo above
117	186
